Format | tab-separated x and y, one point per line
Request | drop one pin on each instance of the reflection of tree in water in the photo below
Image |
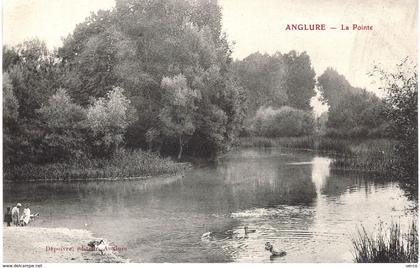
320	171
341	182
269	183
295	186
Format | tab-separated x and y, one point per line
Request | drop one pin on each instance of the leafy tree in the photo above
65	135
133	46
33	76
153	136
358	115
263	78
88	58
108	119
283	122
10	57
300	80
321	124
333	87
177	114
221	112
140	42
276	80
353	112
10	103
10	117
402	100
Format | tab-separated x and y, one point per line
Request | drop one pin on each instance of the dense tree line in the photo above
401	101
356	113
158	75
283	122
279	89
353	112
277	80
142	75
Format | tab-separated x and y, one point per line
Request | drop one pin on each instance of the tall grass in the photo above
376	156
306	142
388	245
123	164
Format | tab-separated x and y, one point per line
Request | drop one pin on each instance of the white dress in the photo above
26	216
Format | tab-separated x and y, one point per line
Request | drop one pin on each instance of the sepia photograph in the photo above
209	131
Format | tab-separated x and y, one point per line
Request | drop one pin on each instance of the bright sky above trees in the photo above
260	26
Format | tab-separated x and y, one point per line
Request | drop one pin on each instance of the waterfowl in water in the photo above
249	231
274	253
229	234
217	235
243	234
206	235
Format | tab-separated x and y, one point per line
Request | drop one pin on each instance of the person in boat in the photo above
15	214
8	216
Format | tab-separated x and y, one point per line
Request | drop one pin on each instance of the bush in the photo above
283	122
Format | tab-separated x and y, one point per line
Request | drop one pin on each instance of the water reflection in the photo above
320	172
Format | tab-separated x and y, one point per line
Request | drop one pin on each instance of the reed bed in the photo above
376	156
387	245
306	142
123	164
317	143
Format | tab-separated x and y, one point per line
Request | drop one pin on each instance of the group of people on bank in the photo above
19	219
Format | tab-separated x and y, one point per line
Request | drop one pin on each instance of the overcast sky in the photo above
259	25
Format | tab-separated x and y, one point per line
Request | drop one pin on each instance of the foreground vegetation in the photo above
122	165
388	245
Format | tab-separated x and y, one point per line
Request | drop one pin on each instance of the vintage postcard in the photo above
210	131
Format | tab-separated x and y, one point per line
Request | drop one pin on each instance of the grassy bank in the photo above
371	155
123	164
387	245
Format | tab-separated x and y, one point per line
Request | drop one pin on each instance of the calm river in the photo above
291	199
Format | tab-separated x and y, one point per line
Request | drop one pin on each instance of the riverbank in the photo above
52	245
122	165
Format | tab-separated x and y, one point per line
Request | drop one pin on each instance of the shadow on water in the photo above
289	198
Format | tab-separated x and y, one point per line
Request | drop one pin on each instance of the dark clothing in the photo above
8	218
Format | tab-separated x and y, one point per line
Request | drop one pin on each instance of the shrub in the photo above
283	122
